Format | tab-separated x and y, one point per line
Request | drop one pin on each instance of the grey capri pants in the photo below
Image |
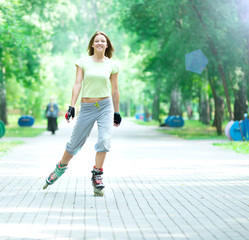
102	112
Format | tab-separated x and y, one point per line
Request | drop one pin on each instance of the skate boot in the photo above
59	170
97	181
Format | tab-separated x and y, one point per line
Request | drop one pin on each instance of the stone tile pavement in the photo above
157	187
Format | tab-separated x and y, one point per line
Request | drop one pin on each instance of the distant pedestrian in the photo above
52	111
98	75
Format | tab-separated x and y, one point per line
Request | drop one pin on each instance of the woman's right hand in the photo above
70	113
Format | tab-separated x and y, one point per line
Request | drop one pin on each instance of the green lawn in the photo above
239	146
192	129
13	130
150	123
196	130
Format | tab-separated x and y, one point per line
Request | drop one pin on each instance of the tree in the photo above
174	28
23	36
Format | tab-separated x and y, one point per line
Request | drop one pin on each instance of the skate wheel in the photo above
98	192
45	186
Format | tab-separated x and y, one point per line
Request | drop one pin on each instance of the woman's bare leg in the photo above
99	159
66	158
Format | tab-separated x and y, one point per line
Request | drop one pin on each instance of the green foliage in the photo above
166	30
40	41
22	38
25	31
193	129
13	129
149	123
239	147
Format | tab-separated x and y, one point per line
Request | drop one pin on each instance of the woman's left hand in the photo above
117	119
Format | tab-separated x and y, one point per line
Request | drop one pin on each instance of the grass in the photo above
239	147
13	129
194	129
7	145
150	123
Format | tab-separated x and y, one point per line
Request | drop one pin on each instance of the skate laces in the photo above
52	177
62	165
97	175
60	169
97	179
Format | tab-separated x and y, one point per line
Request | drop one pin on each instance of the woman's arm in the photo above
77	85
115	92
115	98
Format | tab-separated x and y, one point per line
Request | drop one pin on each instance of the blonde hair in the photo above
108	52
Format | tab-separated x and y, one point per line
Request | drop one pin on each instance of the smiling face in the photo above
99	43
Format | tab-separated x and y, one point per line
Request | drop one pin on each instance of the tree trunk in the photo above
156	102
175	103
210	109
3	102
240	103
219	109
247	40
240	106
219	112
189	109
156	107
129	108
242	15
146	111
204	110
220	67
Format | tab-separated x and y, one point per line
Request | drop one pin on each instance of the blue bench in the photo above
26	121
174	121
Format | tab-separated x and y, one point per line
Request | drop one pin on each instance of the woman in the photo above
52	111
96	72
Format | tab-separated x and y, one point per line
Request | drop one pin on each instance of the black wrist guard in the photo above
117	118
70	113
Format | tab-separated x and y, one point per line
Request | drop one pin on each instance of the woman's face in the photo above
99	43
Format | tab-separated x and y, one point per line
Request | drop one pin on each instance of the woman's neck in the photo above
98	56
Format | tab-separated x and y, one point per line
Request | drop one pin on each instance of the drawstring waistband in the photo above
97	105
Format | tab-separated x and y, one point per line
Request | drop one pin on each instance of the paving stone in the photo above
157	187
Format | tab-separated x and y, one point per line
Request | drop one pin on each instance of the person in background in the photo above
52	114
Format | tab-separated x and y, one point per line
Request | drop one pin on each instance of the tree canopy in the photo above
40	41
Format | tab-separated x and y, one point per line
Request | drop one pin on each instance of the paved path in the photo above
157	187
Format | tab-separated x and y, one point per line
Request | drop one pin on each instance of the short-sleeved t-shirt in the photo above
96	81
